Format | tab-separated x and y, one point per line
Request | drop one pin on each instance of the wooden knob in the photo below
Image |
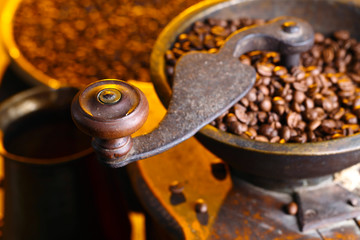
110	111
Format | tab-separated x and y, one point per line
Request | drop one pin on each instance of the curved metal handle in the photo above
287	35
205	85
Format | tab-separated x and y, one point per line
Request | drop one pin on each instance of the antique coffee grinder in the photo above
203	202
219	185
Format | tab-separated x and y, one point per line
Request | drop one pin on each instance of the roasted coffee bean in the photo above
350	118
298	73
301	125
328	131
261	138
293	132
253	120
319	38
237	127
313	125
280	71
309	103
265	69
251	132
266	105
264	90
285	133
230	117
320	113
340	124
170	57
292	119
266	130
327	104
170	70
311	136
311	114
300	86
342	35
278	101
328	54
279	109
222	127
296	107
241	115
315	101
302	138
260	97
253	107
262	117
356	102
345	84
245	102
275	139
219	31
78	42
287	78
299	96
251	96
328	123
244	59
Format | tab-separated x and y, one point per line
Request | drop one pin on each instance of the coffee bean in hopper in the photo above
316	101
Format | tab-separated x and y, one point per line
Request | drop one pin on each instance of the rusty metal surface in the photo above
272	161
237	210
151	180
325	205
197	96
348	230
257	214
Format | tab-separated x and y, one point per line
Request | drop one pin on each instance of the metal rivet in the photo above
109	96
290	27
292	208
309	213
176	187
201	206
353	202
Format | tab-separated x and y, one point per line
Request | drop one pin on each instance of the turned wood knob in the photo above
110	111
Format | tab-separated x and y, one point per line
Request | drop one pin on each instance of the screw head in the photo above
201	206
290	27
292	208
109	96
176	187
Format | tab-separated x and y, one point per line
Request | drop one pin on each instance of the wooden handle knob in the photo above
110	111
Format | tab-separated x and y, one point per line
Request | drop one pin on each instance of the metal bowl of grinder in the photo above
284	165
22	66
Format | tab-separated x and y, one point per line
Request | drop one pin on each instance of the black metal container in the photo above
48	193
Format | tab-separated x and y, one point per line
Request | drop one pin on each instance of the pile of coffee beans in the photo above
316	101
78	42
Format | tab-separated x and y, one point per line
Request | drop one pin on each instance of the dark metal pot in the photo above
278	162
48	194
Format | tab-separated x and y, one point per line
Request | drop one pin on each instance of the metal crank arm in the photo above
205	85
